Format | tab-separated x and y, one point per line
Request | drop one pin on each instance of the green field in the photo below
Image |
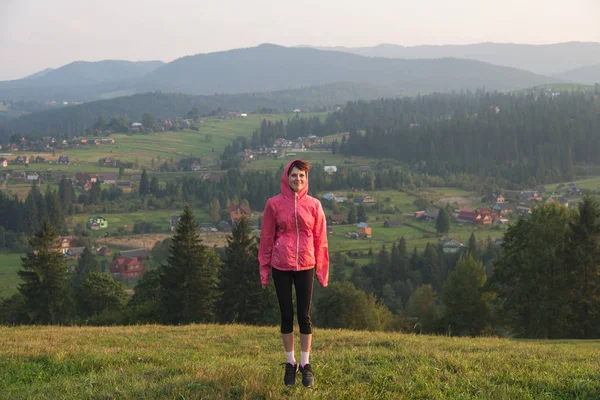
316	157
243	362
10	263
126	221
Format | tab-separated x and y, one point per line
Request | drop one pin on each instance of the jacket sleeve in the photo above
267	237
320	246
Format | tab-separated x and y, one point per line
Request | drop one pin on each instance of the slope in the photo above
233	362
269	67
548	59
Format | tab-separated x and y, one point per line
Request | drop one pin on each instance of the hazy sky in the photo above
37	34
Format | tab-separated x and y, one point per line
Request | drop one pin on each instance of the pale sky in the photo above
37	34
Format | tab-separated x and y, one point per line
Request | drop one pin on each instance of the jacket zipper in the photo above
297	233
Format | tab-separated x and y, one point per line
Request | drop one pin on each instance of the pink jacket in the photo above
294	234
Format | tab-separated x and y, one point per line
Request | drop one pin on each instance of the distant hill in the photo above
549	59
39	74
589	75
78	81
75	119
265	68
269	67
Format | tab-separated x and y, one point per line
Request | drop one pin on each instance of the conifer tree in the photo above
582	260
189	279
242	297
442	223
144	188
466	309
44	276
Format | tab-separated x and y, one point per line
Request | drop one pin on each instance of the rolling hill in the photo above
78	81
266	68
589	75
551	59
74	119
270	67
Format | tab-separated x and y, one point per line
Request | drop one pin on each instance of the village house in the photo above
63	160
224	226
330	169
496	198
140	254
64	243
104	251
195	166
108	162
458	210
237	211
364	230
3	162
32	176
125	268
12	147
97	222
207	227
450	245
430	215
502	208
336	219
108	178
364	169
573	189
364	199
392	223
523	210
22	160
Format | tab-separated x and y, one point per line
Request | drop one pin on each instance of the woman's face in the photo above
297	179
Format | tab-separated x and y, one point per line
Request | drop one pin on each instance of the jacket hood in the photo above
286	190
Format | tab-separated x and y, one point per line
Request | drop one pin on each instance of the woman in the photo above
293	247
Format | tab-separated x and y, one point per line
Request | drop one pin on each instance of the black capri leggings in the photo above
303	281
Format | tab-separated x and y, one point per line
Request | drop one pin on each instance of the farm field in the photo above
124	222
236	361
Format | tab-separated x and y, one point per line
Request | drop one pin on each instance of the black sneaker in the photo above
307	375
289	379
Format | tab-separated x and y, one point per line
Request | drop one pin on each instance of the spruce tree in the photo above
466	309
582	260
442	223
189	279
352	215
144	188
44	276
86	264
242	297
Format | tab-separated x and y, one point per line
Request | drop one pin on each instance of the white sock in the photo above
290	357
304	361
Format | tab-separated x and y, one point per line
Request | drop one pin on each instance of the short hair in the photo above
301	165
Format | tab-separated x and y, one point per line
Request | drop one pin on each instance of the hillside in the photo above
549	59
79	81
233	362
589	75
265	68
167	105
269	67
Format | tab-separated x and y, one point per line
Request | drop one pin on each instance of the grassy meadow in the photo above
242	362
10	263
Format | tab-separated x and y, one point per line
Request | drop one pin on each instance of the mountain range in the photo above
551	59
265	68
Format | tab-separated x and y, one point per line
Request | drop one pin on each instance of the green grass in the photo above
316	157
127	220
10	263
238	362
